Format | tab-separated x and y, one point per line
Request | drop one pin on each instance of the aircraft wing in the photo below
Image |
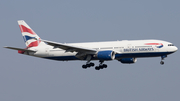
69	48
20	49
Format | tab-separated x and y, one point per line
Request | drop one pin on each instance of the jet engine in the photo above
106	55
128	60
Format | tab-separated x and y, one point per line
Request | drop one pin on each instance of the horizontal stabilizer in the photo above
20	49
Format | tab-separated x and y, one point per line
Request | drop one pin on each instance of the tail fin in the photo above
30	37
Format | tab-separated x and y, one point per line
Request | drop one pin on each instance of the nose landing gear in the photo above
162	62
162	58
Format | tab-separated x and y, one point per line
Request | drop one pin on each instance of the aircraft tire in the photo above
97	68
88	65
104	66
162	62
84	66
101	67
92	64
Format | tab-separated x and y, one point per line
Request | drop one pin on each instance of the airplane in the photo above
125	51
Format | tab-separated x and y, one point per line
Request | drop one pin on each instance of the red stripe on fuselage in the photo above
153	44
25	29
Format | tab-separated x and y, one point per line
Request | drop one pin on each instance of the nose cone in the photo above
175	48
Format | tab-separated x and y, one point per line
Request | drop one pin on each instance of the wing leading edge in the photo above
69	48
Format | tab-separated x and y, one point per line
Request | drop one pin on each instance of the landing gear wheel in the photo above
104	65
97	68
101	67
84	66
88	65
91	64
162	62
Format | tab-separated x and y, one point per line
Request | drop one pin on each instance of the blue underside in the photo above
127	55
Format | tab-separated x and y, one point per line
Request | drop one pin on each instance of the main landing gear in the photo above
162	58
101	66
90	64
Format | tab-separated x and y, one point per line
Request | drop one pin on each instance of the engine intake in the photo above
128	60
106	55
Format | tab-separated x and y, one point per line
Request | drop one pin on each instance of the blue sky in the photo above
26	78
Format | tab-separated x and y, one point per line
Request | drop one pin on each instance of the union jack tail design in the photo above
30	37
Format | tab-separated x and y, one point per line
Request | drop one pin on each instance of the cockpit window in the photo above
170	45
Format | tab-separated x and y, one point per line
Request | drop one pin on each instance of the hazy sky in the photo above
26	78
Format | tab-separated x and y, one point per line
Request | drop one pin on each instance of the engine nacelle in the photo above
106	55
128	60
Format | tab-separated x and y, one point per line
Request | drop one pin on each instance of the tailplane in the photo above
20	50
30	37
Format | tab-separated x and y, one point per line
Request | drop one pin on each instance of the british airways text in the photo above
138	49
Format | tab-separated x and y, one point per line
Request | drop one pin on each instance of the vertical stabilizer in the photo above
30	37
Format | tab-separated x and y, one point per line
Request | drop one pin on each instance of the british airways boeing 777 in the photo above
125	51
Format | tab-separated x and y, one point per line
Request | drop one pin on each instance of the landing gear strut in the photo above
162	58
88	63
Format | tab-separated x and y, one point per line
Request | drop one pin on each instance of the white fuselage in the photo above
123	49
